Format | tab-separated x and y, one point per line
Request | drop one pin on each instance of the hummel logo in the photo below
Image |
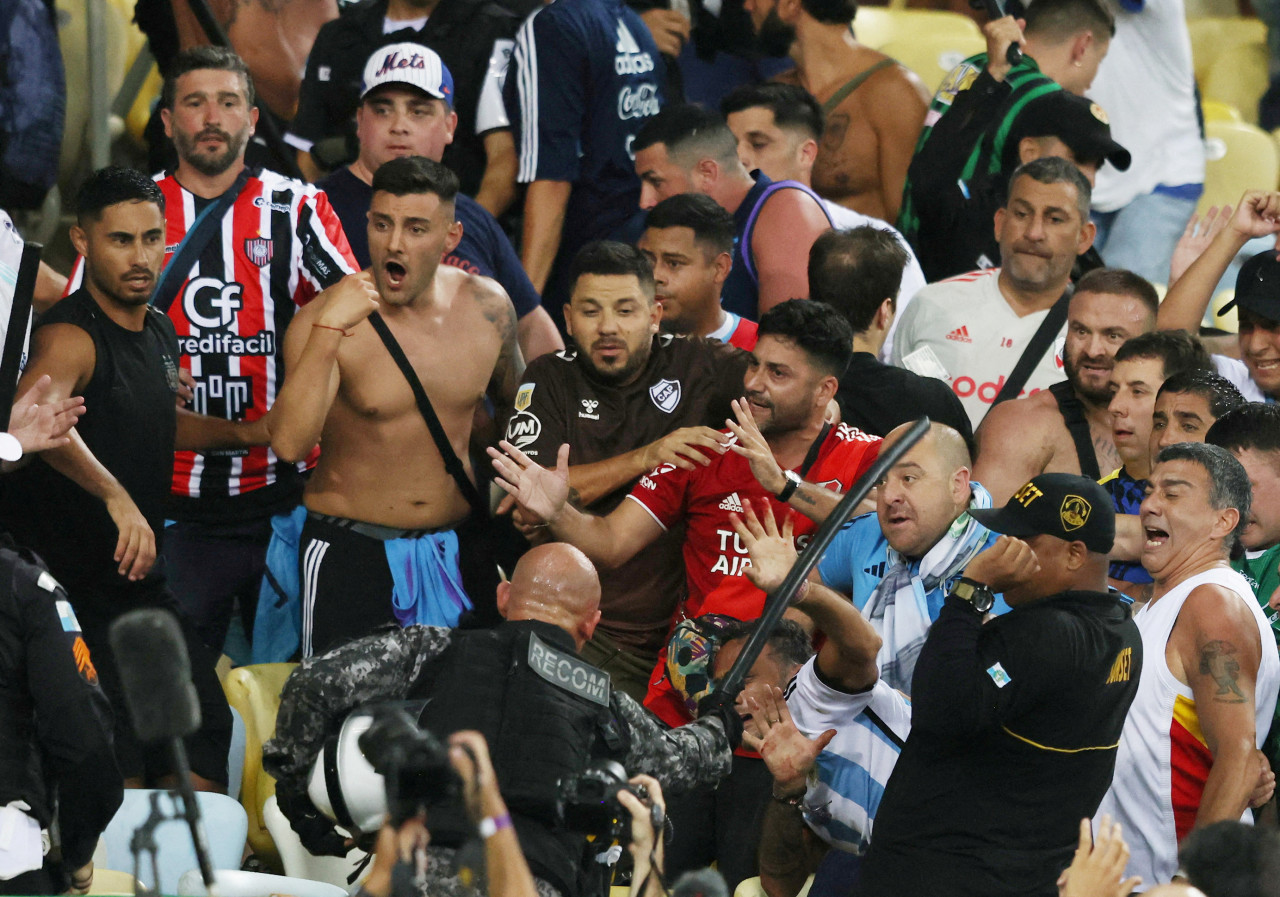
876	570
589	409
960	334
732	503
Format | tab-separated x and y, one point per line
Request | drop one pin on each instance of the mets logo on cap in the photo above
1074	513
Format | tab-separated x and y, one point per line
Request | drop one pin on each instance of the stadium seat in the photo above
876	26
73	30
112	883
225	826
254	692
297	860
1213	37
751	887
234	883
933	56
1216	110
1239	79
1239	157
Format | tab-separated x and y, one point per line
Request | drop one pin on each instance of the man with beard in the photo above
379	549
781	451
1067	427
94	509
1210	673
278	244
874	107
627	400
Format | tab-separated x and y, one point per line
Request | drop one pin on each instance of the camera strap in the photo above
1039	344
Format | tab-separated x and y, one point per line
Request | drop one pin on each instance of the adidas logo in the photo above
960	334
876	570
732	503
626	43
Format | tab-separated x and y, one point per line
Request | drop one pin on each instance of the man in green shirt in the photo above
1252	433
973	115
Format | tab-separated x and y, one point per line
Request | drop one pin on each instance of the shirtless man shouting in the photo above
378	545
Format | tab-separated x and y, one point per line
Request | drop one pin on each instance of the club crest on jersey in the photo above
259	250
665	394
524	395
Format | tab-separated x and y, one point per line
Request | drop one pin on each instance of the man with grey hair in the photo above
976	330
1188	754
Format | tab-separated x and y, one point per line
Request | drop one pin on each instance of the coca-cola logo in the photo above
638	102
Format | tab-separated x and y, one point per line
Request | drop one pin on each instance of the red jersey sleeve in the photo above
663	492
326	254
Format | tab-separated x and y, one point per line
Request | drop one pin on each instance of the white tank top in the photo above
1163	760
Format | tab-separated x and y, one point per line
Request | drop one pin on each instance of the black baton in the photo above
779	600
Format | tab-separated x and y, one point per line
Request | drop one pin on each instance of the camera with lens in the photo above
588	802
413	762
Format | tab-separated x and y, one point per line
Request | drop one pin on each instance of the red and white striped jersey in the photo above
279	246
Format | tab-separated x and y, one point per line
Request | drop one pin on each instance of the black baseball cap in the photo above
1071	507
1078	122
1258	287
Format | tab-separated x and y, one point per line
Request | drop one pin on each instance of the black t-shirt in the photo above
462	32
129	425
687	382
1014	731
876	397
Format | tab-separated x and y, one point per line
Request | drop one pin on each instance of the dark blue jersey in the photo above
484	249
585	77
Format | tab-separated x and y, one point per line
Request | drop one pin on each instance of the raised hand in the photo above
1196	238
1007	563
540	492
752	446
348	302
40	423
772	551
788	753
681	448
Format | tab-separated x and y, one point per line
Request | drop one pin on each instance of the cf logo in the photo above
211	304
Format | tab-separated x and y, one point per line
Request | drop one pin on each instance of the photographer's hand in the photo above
408	844
505	866
646	837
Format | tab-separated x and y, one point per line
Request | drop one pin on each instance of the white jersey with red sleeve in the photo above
279	245
704	498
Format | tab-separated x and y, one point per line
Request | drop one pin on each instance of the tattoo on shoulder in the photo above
498	310
1217	659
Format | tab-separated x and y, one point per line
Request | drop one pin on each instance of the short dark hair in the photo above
1120	282
788	639
416	174
711	225
1228	483
792	106
855	270
609	257
113	185
220	59
1231	859
816	328
831	12
689	133
1218	392
1253	425
1176	350
1059	20
1055	170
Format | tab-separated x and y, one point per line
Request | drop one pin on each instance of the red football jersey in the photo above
714	556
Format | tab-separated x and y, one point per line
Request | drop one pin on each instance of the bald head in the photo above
554	583
941	442
923	494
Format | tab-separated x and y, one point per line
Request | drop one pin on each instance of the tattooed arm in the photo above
509	367
1215	648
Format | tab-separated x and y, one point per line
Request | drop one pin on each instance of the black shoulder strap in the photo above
207	224
1035	350
451	462
853	84
1078	426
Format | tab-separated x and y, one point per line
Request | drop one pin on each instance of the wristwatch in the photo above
979	595
793	483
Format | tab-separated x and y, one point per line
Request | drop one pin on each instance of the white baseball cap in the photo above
412	64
